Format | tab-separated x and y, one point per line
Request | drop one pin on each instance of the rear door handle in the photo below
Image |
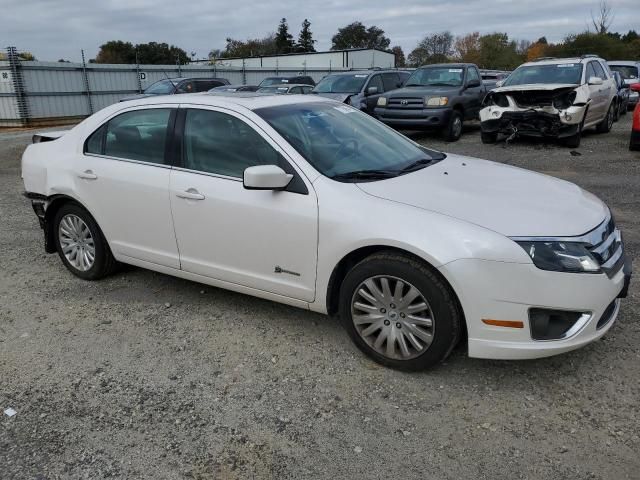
190	194
88	175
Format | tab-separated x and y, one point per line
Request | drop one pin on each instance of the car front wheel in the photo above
453	131
80	243
399	312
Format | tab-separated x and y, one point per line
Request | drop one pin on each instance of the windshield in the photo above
273	81
161	88
273	90
341	83
628	72
338	140
436	76
556	73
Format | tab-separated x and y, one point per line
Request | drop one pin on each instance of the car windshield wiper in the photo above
365	175
413	85
417	165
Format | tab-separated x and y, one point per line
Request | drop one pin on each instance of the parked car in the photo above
314	204
622	96
302	79
553	98
360	89
634	143
171	86
436	97
630	72
234	88
493	78
289	88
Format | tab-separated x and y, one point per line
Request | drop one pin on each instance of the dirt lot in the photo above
109	381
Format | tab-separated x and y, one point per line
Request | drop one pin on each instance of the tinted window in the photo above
307	89
162	87
185	87
437	76
205	85
138	135
555	73
296	90
390	81
218	143
376	81
341	83
627	71
472	74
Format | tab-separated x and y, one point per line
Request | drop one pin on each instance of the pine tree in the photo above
305	39
284	40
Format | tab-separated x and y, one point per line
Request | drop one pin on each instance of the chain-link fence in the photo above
38	93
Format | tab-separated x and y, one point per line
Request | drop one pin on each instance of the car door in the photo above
123	180
371	100
473	93
266	240
596	107
607	89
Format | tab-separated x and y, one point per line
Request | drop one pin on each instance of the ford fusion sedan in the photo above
312	203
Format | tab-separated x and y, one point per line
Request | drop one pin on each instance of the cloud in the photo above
53	29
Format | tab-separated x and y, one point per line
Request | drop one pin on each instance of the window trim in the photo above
167	159
177	152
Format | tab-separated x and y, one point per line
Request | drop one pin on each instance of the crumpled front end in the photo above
554	113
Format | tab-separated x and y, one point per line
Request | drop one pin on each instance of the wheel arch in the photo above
54	204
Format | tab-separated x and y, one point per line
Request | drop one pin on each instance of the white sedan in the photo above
304	201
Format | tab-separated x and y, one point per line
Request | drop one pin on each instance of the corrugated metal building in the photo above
334	59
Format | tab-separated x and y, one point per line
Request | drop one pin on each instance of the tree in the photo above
605	45
116	51
253	47
399	56
356	35
434	48
467	48
498	52
305	39
602	20
284	40
537	50
152	53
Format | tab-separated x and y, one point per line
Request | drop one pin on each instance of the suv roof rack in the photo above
589	55
540	59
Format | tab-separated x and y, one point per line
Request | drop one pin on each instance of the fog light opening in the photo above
548	324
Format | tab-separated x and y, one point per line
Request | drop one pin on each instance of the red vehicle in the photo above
634	143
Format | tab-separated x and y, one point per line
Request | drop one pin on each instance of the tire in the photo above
453	131
607	122
74	226
377	322
616	112
488	137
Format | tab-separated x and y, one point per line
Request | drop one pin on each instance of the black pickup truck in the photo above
438	96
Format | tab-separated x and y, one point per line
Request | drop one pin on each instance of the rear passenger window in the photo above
138	135
218	143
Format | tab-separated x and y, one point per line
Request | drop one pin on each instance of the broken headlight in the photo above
497	99
565	100
561	256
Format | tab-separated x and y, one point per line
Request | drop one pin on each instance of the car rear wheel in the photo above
605	125
81	244
453	131
399	312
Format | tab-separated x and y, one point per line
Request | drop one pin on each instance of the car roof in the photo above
624	63
366	72
555	61
288	85
449	65
248	100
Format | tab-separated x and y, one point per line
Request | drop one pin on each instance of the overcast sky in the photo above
53	29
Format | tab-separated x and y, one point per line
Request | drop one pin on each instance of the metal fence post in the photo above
86	84
18	85
244	73
138	73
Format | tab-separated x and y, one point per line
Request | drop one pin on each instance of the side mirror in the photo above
372	90
265	177
473	83
635	87
595	81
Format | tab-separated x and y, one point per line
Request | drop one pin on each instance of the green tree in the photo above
609	47
356	35
434	48
116	51
498	52
284	40
152	53
253	47
400	61
305	39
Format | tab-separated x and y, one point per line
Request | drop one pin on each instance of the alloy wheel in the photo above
392	317
76	242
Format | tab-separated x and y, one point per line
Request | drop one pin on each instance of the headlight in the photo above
565	100
497	99
561	256
435	101
382	101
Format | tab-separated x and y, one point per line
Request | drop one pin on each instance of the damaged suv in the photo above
554	98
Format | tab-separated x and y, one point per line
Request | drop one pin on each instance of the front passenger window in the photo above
218	143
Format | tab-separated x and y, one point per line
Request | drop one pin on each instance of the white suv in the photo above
309	202
552	97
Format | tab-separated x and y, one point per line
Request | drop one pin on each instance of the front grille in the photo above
606	247
406	102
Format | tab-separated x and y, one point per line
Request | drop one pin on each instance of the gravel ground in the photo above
146	376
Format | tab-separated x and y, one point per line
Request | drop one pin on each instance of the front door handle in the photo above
88	175
190	194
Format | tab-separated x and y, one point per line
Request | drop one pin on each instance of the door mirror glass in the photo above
372	90
266	177
595	81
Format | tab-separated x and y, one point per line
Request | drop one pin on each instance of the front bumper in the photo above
507	291
414	117
530	123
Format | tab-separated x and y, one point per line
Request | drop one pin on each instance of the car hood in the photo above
535	86
506	199
340	97
422	92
